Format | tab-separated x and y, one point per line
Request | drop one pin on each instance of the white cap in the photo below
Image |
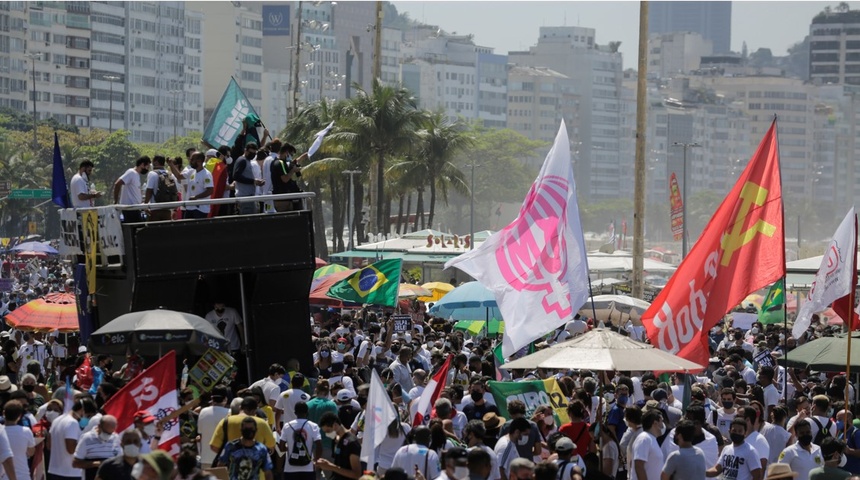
345	395
211	153
82	349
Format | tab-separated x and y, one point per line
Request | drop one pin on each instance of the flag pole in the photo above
784	282
785	327
850	320
593	310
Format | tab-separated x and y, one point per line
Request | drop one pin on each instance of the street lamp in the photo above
349	208
174	93
472	208
33	57
111	79
685	146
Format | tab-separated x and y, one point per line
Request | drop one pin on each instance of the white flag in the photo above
834	278
536	267
320	135
378	415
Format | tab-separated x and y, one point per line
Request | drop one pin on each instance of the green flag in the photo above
773	305
225	122
375	284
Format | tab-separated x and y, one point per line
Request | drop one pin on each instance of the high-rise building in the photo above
492	89
596	74
834	48
677	52
711	19
538	99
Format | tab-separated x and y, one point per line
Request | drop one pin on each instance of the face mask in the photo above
662	429
137	470
549	420
324	353
430	344
149	429
332	434
754	331
219	310
52	415
737	438
144	171
28	388
842	460
131	450
249	433
477	396
830	412
461	473
623	399
524	440
395	348
840	426
103	436
728	404
362	401
84	421
804	440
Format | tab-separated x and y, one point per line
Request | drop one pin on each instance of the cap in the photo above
161	462
5	334
82	349
659	394
211	153
144	416
345	395
564	445
456	453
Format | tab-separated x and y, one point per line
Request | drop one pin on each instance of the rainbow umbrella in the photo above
328	270
56	311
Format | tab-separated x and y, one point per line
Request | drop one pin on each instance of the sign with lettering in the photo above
276	20
70	238
402	323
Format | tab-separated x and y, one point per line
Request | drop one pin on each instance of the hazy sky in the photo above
513	25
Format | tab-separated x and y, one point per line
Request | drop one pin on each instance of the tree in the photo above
383	123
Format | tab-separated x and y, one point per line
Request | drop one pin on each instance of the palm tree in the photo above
380	123
440	141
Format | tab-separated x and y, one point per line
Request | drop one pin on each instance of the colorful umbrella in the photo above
320	262
476	327
31	254
318	291
328	270
35	247
438	289
408	290
56	311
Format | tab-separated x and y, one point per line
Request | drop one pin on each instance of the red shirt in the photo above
578	432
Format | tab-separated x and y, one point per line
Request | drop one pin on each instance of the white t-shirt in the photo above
800	460
130	192
257	171
777	439
197	184
20	439
410	456
232	323
724	421
271	390
310	431
709	447
390	445
739	462
771	395
646	448
64	428
287	401
152	182
207	422
506	452
759	443
494	462
184	181
77	186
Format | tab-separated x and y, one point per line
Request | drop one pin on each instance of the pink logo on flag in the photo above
532	256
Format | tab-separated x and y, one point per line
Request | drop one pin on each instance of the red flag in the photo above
431	393
84	374
219	182
741	250
844	307
153	390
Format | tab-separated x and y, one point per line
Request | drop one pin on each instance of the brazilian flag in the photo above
375	284
773	305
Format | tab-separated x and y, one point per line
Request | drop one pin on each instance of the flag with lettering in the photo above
741	250
154	390
834	279
226	121
536	267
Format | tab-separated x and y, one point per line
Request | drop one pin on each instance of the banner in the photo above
82	300
153	390
70	238
91	235
110	232
59	189
834	279
677	209
536	267
534	394
225	122
741	250
276	20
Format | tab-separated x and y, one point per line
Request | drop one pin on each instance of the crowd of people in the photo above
744	417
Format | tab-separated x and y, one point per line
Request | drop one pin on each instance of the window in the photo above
252	59
108	19
110	38
252	76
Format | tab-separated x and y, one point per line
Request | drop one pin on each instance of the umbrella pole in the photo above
785	327
593	310
245	324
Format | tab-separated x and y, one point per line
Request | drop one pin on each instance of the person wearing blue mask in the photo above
615	418
852	440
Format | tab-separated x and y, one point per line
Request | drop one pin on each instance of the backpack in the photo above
299	455
166	191
823	432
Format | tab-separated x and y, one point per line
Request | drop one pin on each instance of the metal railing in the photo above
303	196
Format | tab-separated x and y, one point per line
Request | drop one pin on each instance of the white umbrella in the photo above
619	302
602	349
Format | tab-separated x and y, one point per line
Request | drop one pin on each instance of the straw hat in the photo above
776	471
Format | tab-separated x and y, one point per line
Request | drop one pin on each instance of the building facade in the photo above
711	19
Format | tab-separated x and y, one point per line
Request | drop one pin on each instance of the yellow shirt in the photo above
234	431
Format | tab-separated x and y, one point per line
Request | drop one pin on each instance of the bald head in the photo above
107	424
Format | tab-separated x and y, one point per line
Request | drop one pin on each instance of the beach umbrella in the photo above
320	262
31	254
438	289
328	270
155	332
602	349
35	247
410	290
56	311
825	354
320	287
476	327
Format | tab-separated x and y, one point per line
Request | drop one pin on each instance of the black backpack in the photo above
167	191
823	432
299	455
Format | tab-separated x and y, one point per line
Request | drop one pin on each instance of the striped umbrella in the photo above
328	269
56	311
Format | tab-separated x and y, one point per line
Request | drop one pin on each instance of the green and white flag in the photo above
534	394
225	123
